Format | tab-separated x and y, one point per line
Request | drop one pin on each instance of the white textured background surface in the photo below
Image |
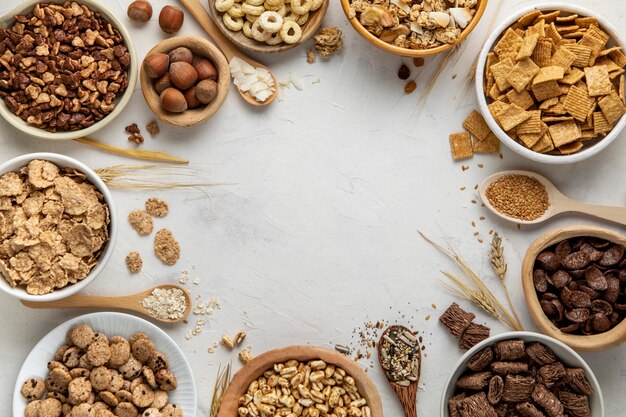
316	234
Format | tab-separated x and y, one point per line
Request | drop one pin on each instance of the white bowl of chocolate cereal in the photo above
58	226
550	83
68	68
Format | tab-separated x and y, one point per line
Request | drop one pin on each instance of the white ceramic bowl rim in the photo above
66	161
121	101
482	100
597	395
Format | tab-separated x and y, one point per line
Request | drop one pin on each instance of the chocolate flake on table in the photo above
473	334
456	320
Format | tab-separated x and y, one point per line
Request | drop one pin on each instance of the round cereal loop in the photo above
50	407
233	23
137	381
84	362
151	412
301	6
143	396
255	2
33	389
131	369
100	378
247	29
143	349
108	398
251	18
282	11
274	2
275	39
316	4
271	21
120	352
269	7
171	410
148	376
99	405
82	410
58	356
258	33
124	396
161	398
98	353
166	380
117	381
255	10
78	372
54	364
71	357
104	413
223	5
32	409
158	361
125	409
58	379
101	337
291	32
303	19
234	11
137	336
81	336
78	391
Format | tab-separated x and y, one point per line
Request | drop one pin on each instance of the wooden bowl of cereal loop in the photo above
201	48
36	126
585	343
237	22
377	14
324	359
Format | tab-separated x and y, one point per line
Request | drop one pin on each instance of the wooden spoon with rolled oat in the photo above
167	303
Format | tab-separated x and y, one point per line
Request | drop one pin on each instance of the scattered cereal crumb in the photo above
410	87
141	221
310	56
428	317
463	188
418	62
475	233
482	218
166	247
245	355
184	276
157	207
135	136
464	167
491	232
480	240
228	342
473	223
480	165
519	227
134	262
433	305
196	281
328	41
239	337
153	128
473	201
454	76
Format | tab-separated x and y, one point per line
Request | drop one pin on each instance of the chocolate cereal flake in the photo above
528	410
540	353
576	378
475	381
456	320
576	405
509	350
473	334
548	401
481	360
496	387
518	388
476	406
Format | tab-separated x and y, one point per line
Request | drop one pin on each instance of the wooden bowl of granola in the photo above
258	366
383	29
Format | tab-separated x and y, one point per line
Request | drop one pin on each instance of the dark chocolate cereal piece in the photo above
579	299
550	403
548	308
575	404
528	410
496	386
548	261
453	403
518	388
612	256
593	294
570	328
559	279
594	254
505	368
600	322
560	310
612	290
549	375
473	334
509	350
474	381
540	353
540	280
577	315
595	279
476	406
575	377
481	360
563	249
576	260
456	320
599	243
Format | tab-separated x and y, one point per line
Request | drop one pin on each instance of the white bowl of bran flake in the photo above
58	233
560	98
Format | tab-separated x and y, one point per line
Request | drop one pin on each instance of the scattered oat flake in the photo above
166	303
184	276
196	281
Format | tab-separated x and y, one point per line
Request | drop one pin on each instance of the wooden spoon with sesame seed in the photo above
558	203
406	390
128	302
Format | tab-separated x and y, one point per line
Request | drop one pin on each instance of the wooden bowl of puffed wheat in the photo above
239	394
448	28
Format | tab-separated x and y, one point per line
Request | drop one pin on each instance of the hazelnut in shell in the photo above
190	96
156	65
139	11
173	100
206	91
171	19
183	75
204	68
181	54
162	83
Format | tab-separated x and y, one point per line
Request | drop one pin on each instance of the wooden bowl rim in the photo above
255	368
593	343
396	50
200	114
308	30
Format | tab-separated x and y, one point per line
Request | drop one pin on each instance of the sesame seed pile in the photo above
518	196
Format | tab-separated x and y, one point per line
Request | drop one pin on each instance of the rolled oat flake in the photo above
166	303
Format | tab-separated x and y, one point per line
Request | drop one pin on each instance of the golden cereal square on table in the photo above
547	90
508	45
612	107
530	42
563	57
522	74
551	73
461	146
578	103
573	76
500	71
600	124
511	116
564	133
582	52
598	81
491	144
523	99
476	125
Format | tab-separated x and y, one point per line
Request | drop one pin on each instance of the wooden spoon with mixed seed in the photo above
400	356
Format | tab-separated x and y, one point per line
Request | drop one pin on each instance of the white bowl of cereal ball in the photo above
82	98
93	360
485	377
554	136
58	226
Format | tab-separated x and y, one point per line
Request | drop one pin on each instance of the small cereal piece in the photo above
124	396
32	409
109	398
522	74
158	361
600	124
71	357
153	128
552	73
134	263
55	364
500	71
528	47
81	336
171	410
100	378
598	81
491	145
98	353
564	133
461	146
245	355
120	351
143	349
476	125
290	32
151	412
131	369
33	389
126	409
511	116
509	45
473	334
81	410
166	380
58	356
582	52
58	380
563	58
228	342
612	107
542	56
578	103
271	21
137	336
50	407
239	337
11	185
157	207
166	248
572	77
78	372
79	390
481	360
141	221
456	320
148	376
161	398
143	395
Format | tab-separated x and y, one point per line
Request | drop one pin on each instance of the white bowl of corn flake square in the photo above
560	131
71	256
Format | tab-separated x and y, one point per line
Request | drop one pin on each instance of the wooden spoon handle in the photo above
407	397
611	213
82	301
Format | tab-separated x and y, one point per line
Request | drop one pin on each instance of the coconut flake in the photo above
402	6
297	81
417	28
462	15
441	18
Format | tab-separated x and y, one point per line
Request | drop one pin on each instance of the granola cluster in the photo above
414	24
53	227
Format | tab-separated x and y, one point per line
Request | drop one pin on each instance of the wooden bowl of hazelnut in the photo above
184	80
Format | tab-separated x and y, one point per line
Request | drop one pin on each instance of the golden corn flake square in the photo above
597	33
564	133
552	119
544	144
582	52
528	47
500	71
546	104
547	90
571	148
548	17
531	126
509	45
566	19
608	63
491	144
538	29
595	44
612	107
522	74
542	55
620	88
522	99
476	125
598	81
529	18
553	34
495	92
511	116
573	76
563	58
618	57
578	103
461	146
600	124
551	73
585	22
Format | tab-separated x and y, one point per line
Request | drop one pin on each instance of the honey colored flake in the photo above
522	99
582	52
571	148
572	77
544	144
166	247
157	207
141	221
511	116
522	74
537	29
529	18
598	82
618	57
563	58
551	73
600	124
586	22
531	126
528	47
578	103
598	33
11	185
564	133
553	34
611	66
567	29
546	91
461	146
500	71
509	45
596	45
548	17
566	19
542	54
489	145
612	107
476	125
134	262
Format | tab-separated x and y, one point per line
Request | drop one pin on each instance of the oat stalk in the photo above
134	153
474	288
146	177
498	263
433	80
221	383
